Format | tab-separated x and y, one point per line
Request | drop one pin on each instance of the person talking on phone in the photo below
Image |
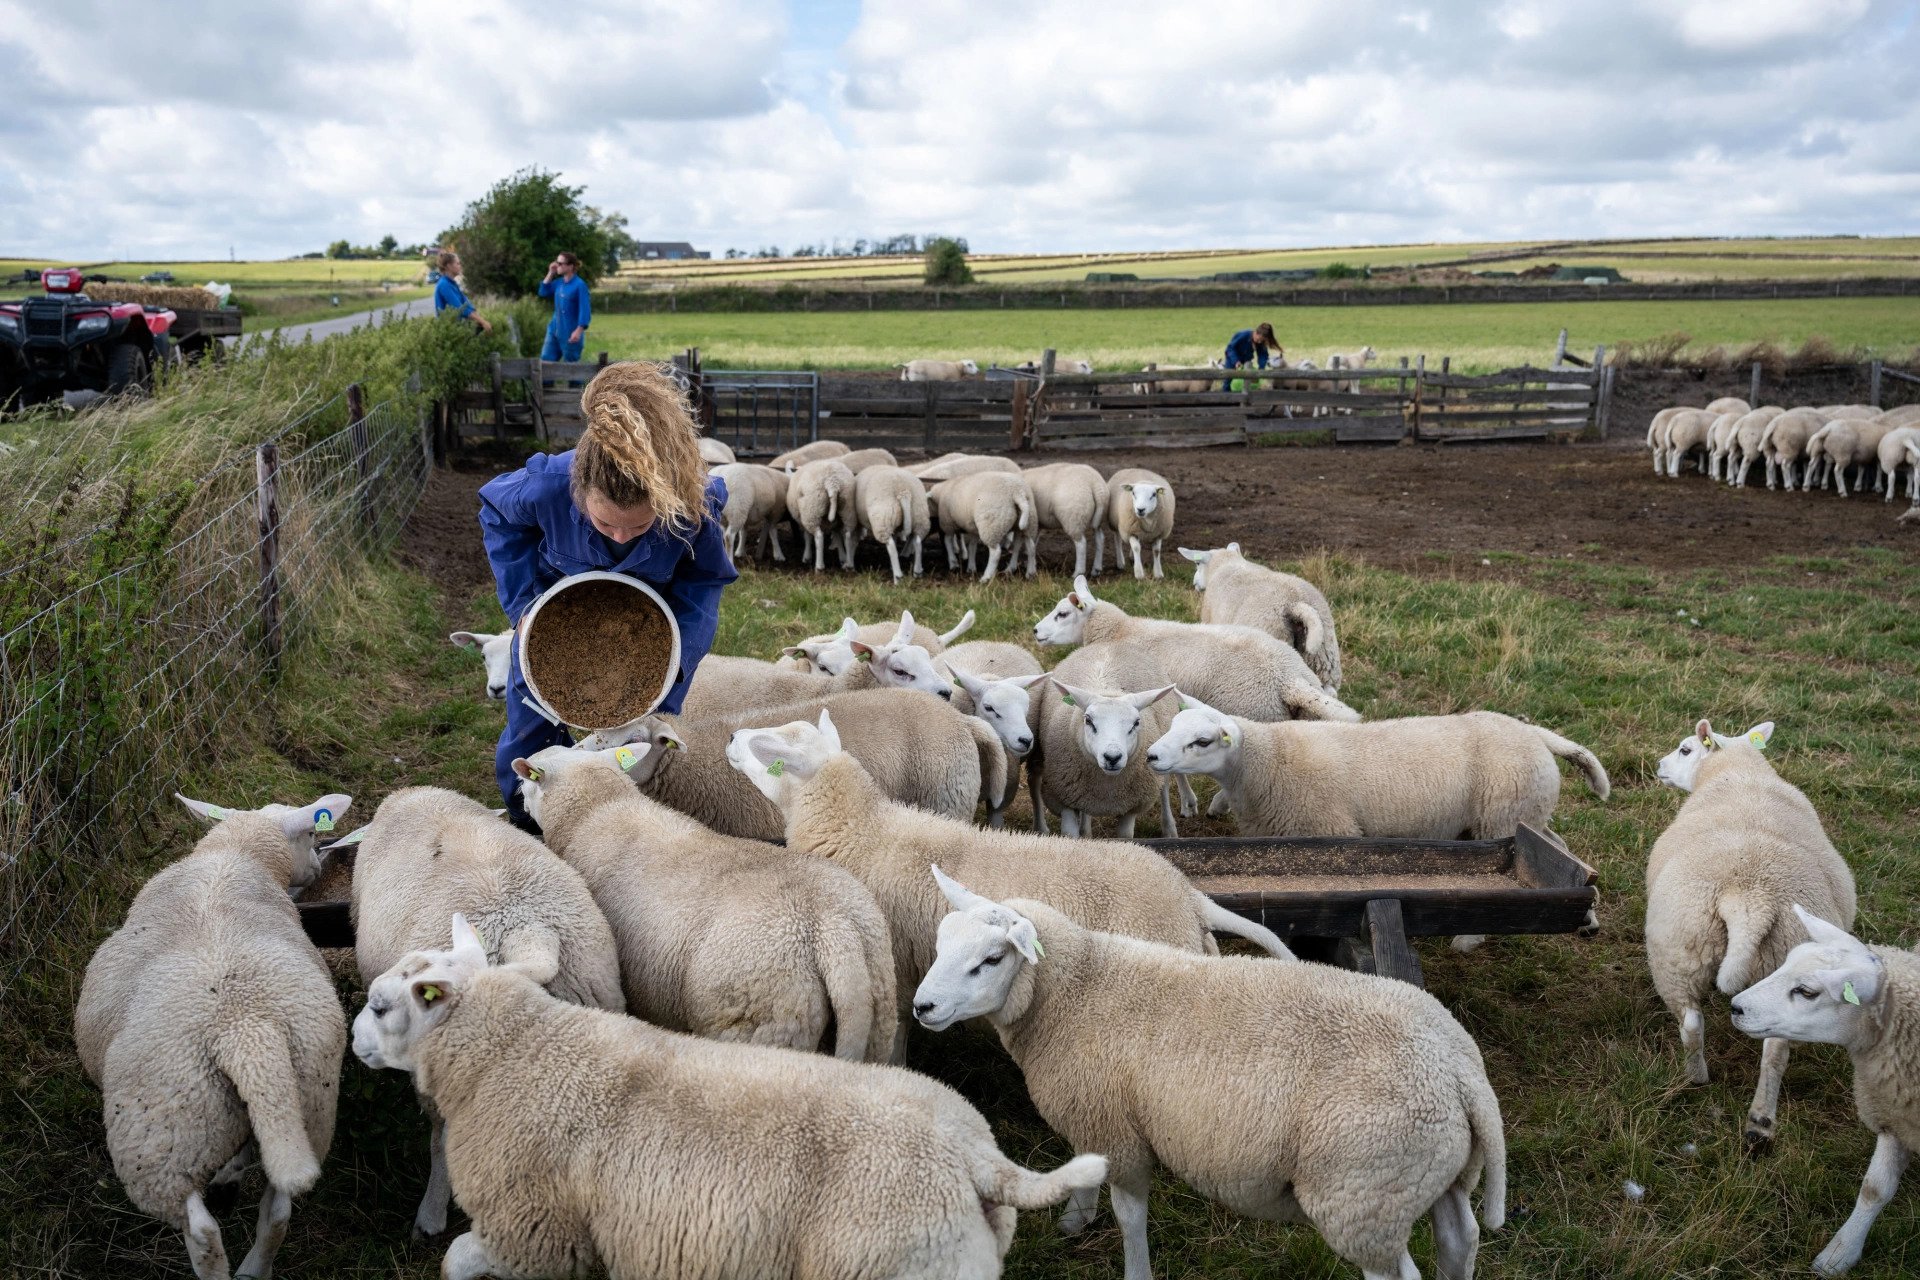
572	313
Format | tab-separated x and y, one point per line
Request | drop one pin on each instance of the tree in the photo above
507	237
947	262
339	249
387	245
621	247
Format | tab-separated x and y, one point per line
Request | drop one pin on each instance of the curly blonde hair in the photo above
641	444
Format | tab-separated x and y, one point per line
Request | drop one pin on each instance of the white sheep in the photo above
1367	1110
1721	878
990	508
1746	441
834	653
820	499
860	459
890	504
585	1141
1728	404
756	499
1179	386
1783	443
951	466
1686	432
1893	454
1242	671
1140	507
1237	592
1072	497
211	1025
1720	437
1657	436
813	452
937	370
834	810
430	852
998	682
1106	702
715	453
1348	360
496	650
1834	989
921	754
725	938
1848	443
722	683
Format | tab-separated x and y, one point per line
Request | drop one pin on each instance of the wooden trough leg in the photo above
1393	956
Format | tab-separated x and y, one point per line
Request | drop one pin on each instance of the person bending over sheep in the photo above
634	498
1248	347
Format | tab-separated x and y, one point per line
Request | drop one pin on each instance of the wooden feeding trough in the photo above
1362	899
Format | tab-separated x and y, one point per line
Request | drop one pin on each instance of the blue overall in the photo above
535	536
446	294
571	311
1240	350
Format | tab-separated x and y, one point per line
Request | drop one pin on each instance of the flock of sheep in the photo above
652	1041
835	496
1804	447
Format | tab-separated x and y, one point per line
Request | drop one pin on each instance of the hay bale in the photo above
179	297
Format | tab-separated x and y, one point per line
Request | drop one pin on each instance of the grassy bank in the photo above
1478	337
1585	1061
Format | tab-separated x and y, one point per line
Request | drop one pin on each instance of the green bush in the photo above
947	262
507	238
1342	271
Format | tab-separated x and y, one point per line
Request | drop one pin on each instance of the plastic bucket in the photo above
538	700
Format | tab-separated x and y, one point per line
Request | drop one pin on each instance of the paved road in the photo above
346	324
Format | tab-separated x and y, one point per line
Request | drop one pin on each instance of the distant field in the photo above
1486	336
1702	259
303	272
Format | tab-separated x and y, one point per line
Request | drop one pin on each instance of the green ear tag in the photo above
429	993
1848	994
777	768
1759	741
863	656
323	821
1226	739
215	812
1039	950
1068	699
625	757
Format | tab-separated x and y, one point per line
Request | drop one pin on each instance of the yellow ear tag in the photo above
1226	739
535	773
429	993
1848	994
625	757
1759	741
777	768
323	820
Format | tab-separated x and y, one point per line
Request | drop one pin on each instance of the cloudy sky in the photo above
177	130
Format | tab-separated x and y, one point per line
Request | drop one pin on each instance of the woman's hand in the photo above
482	322
577	334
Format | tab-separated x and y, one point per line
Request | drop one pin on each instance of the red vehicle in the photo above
68	342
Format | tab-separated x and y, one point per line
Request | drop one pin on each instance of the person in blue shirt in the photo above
448	296
634	497
1248	345
572	313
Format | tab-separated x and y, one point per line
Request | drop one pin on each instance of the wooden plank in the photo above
1348	432
1509	377
1468	435
1144	426
1387	934
1425	913
1334	855
1523	395
1543	416
1543	859
1235	439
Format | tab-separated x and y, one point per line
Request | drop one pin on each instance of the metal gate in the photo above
762	413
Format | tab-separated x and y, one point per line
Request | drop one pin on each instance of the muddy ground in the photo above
1417	507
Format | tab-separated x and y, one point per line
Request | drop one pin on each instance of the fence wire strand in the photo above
111	683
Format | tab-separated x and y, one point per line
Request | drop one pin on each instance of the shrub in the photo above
1341	271
507	237
947	262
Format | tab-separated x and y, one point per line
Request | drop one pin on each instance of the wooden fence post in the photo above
266	470
933	415
1560	350
1753	393
1017	436
1046	363
1603	396
1873	384
360	436
1419	391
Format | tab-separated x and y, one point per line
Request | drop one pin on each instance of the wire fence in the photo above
126	651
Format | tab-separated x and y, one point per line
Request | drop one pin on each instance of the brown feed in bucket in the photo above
598	652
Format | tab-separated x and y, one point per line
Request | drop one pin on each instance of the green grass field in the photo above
305	272
1476	336
1585	1060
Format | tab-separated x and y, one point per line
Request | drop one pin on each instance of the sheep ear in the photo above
1234	547
1028	683
1141	701
771	750
1073	697
353	838
905	634
526	770
848	629
1820	931
958	896
829	732
973	684
466	942
628	756
204	811
667	740
1026	940
1704	731
1082	589
467	639
862	651
1197	557
1760	735
318	818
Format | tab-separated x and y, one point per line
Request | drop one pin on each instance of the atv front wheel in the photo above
127	370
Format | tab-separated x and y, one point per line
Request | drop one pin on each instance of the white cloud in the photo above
1044	124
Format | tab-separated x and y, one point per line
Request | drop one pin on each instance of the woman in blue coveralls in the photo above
1244	346
633	497
572	313
448	295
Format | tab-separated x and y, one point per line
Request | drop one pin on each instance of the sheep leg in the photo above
1693	1039
1840	478
1123	826
431	1218
1882	1180
918	569
993	563
1099	549
1039	805
1130	1211
893	557
1139	564
1033	549
1070	824
204	1246
276	1206
1189	803
819	537
1083	1206
1079	556
1456	1236
774	534
1119	551
1219	806
468	1259
1766	1094
1157	545
1167	827
1769	462
846	550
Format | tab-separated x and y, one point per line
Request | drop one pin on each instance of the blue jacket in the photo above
1240	349
571	310
447	294
535	536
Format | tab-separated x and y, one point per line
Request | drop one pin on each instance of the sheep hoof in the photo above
1075	1220
1758	1135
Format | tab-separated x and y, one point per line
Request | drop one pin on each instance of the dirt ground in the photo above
1417	507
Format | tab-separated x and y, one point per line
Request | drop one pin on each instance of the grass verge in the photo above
1584	1059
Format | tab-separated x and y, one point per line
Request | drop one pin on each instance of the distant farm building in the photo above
668	250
